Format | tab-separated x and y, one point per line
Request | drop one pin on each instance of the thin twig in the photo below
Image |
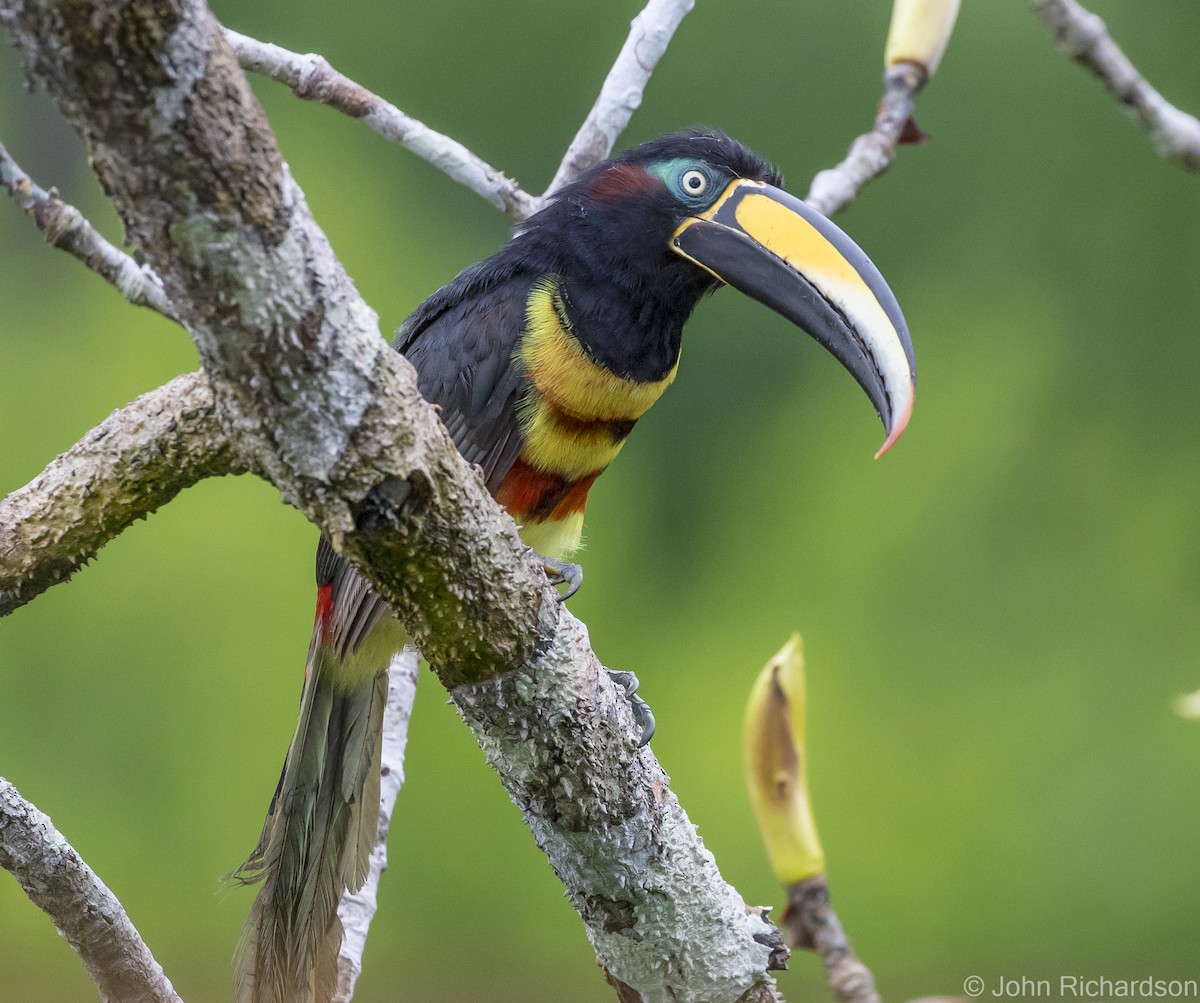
649	35
65	227
873	152
810	922
312	78
357	909
1082	35
87	914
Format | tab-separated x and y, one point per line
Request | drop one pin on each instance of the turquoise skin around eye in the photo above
672	172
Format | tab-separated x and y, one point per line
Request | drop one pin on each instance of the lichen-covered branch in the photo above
65	227
873	152
313	400
649	35
603	813
133	462
305	386
86	913
312	78
357	909
1083	36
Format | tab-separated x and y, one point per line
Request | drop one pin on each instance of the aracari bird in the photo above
542	358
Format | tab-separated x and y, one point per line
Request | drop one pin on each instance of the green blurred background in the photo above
997	616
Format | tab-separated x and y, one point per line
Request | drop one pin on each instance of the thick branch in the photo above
602	811
649	35
311	77
133	462
873	152
315	402
304	384
65	227
1081	35
87	914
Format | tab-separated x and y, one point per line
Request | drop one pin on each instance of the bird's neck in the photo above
628	323
624	297
578	384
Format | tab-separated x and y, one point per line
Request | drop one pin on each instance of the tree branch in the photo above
649	35
315	401
86	913
1082	35
310	393
603	813
312	78
873	152
810	922
66	228
357	909
133	462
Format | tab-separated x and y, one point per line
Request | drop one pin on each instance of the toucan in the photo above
541	359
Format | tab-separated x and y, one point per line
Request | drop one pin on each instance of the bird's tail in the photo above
317	838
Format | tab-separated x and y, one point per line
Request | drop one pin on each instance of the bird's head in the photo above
685	213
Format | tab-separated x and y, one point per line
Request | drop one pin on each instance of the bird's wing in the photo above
462	342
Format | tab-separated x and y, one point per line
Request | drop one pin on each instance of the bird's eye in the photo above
694	182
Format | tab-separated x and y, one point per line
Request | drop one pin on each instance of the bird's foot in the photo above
643	717
561	573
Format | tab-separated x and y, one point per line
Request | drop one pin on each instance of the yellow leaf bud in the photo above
775	760
920	32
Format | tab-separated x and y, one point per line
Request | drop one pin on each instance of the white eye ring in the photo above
694	182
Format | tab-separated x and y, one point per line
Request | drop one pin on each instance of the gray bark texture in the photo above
130	464
306	388
308	395
1083	37
603	813
87	914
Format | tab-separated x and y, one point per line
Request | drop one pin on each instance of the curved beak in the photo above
777	250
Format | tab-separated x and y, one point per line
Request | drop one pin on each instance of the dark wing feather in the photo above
461	341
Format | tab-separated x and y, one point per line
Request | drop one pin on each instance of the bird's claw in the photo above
643	716
562	573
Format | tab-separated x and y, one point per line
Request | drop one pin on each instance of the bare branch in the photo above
873	152
1082	35
649	35
65	227
810	922
312	78
87	914
357	909
133	462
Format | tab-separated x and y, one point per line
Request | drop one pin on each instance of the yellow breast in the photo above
577	417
